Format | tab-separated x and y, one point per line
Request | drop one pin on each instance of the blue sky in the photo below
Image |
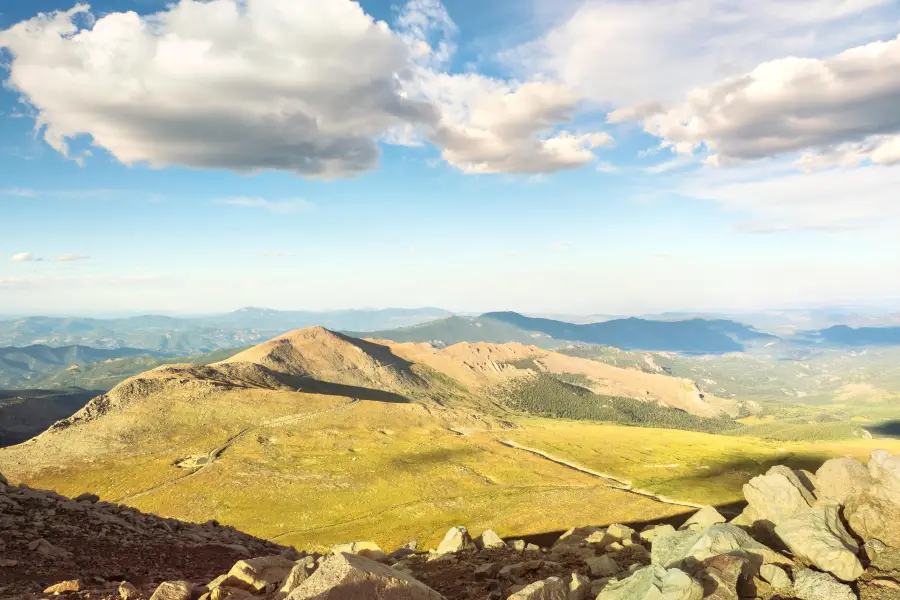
589	156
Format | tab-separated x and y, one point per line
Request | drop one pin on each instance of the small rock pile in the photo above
829	535
85	544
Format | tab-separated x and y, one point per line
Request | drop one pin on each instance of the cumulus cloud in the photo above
283	207
309	86
24	257
489	125
625	52
297	85
70	257
842	110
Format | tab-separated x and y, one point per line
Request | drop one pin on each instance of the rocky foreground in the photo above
829	535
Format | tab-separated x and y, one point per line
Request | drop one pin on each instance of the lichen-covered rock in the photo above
812	585
875	513
301	570
653	583
818	538
127	591
579	587
703	518
352	577
552	588
651	533
456	539
602	566
839	479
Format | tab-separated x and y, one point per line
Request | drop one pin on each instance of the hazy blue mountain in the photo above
843	335
183	335
20	365
697	336
452	330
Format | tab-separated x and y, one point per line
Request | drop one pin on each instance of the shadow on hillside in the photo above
748	468
314	386
889	429
546	540
382	353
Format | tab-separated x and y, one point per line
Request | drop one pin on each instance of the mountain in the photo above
197	334
19	367
695	336
456	329
842	335
26	413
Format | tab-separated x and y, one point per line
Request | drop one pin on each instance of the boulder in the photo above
489	539
553	588
301	570
173	590
874	514
652	532
367	549
669	551
576	535
775	576
579	587
776	496
813	585
619	532
705	517
48	550
352	577
72	585
653	583
87	497
818	538
257	574
885	469
841	478
518	545
456	540
722	576
602	566
127	591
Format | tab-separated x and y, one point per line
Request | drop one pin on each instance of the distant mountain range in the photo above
19	365
697	336
201	334
843	335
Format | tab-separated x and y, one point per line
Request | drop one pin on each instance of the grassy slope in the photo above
454	330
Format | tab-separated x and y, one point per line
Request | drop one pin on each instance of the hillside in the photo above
842	335
341	439
22	367
26	413
695	336
191	335
455	329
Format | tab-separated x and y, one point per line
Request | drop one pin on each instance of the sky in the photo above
565	156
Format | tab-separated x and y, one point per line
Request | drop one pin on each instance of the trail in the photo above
216	452
618	484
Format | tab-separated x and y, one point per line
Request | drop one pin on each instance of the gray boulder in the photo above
352	577
552	588
456	539
653	583
670	551
602	566
776	496
705	517
839	479
367	549
812	585
818	538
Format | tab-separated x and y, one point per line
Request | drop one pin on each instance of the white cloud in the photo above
24	257
284	207
19	192
309	86
296	85
773	199
560	245
843	110
627	52
70	257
